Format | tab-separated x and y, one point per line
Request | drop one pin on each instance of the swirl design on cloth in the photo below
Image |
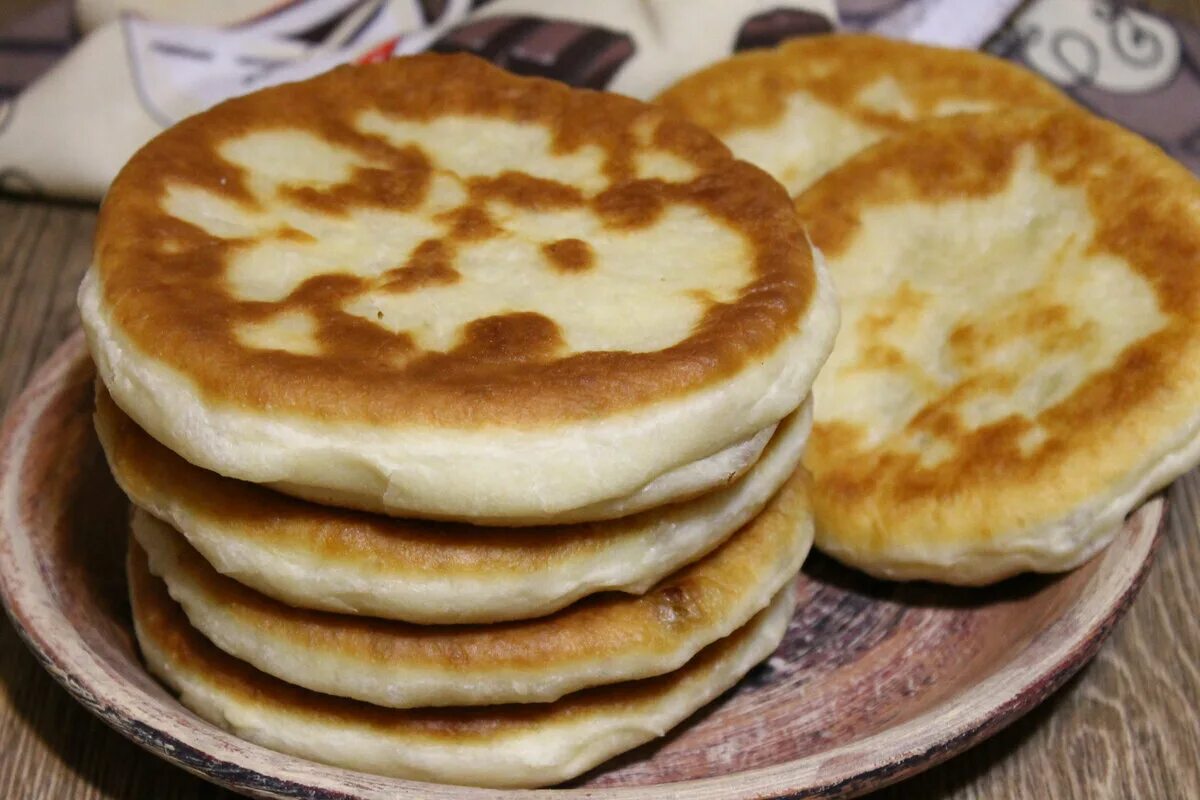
1132	66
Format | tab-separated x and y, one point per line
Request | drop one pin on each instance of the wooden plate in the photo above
874	682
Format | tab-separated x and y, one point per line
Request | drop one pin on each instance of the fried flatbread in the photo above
429	287
1018	365
498	746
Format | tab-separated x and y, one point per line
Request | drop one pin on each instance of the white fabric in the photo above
142	67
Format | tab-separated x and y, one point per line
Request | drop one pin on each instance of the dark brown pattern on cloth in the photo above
574	53
861	13
772	27
32	43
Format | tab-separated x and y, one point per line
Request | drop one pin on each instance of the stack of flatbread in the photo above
461	414
464	414
1019	359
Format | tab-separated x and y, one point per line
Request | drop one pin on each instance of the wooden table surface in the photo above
1128	726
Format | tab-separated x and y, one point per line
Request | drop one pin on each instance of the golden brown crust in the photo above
693	600
878	495
162	620
750	89
147	469
163	283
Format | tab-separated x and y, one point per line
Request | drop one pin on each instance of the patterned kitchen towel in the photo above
70	131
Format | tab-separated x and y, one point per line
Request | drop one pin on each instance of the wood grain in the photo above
1126	727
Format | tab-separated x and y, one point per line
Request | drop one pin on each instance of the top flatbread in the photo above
802	108
1020	360
447	290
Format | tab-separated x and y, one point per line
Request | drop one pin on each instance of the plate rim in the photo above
891	754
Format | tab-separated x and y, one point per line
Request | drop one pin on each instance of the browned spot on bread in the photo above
431	264
470	223
526	191
289	233
516	337
1049	325
632	205
900	309
569	255
321	291
675	607
882	356
400	185
751	89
